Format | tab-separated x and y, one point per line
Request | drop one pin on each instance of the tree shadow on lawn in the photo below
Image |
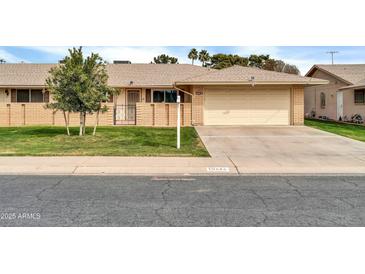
39	132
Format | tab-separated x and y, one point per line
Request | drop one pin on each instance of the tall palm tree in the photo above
193	55
204	56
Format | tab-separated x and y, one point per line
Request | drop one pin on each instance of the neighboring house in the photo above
342	97
232	96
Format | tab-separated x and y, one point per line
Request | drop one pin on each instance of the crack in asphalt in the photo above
167	186
345	202
38	195
350	182
260	198
316	218
295	188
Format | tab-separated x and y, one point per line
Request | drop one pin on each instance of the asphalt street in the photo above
182	201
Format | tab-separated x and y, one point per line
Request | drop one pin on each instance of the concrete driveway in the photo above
284	149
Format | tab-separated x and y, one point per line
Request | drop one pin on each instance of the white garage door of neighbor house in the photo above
246	107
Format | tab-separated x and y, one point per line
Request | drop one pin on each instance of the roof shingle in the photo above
244	75
119	74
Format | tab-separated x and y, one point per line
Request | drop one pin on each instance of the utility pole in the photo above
332	52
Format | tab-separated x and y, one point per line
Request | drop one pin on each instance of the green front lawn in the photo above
109	141
356	132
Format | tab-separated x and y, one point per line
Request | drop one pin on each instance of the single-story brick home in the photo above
232	96
342	97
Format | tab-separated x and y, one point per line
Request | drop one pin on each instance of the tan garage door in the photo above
246	107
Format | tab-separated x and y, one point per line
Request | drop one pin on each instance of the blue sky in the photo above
303	57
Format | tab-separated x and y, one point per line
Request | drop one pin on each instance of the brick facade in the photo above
197	105
19	114
160	114
297	106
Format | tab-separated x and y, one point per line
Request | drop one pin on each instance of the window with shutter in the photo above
22	96
148	95
46	96
36	96
13	95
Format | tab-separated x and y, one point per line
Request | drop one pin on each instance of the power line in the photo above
333	52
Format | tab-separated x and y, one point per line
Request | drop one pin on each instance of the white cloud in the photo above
59	51
10	58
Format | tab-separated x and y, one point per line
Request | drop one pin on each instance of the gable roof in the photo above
249	75
348	73
119	74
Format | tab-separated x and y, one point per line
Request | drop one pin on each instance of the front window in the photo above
164	96
22	96
158	96
29	96
36	96
359	96
170	96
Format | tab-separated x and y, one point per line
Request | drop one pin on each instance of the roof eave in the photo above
22	86
113	86
312	83
143	86
352	87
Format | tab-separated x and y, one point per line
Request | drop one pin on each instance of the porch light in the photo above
252	80
7	92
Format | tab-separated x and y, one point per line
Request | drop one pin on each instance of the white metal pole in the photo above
178	122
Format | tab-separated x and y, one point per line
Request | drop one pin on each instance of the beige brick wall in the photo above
297	108
197	105
18	114
160	114
4	115
4	98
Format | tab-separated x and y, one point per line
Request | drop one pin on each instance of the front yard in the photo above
109	141
356	132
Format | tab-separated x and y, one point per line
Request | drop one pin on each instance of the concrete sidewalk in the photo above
96	165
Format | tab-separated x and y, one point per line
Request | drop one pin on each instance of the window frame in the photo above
31	99
17	94
363	96
30	90
164	95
